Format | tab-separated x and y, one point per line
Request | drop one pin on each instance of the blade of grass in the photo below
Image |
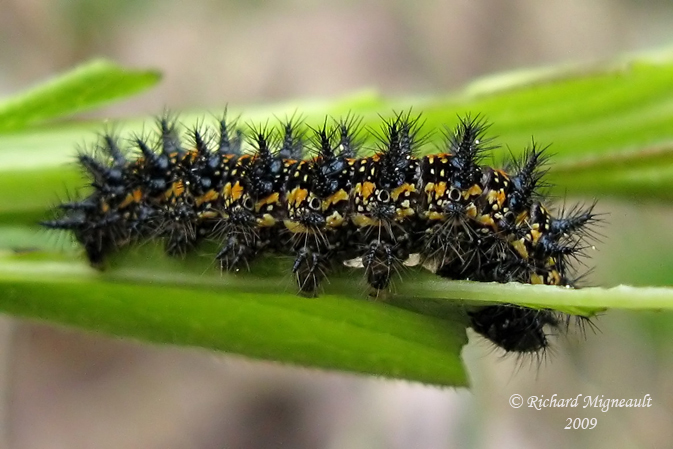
624	108
85	87
250	315
327	332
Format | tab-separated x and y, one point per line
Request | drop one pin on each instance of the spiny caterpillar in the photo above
311	194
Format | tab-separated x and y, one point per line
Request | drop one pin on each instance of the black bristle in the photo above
111	148
199	142
148	153
265	173
228	144
262	140
577	219
94	167
349	140
527	180
292	146
329	164
322	140
399	141
170	141
467	144
87	204
69	223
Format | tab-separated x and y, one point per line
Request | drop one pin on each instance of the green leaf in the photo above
645	173
327	332
84	87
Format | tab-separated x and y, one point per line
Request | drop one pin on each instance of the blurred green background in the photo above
68	389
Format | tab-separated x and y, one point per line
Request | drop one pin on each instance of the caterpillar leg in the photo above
309	269
235	253
179	244
380	261
180	239
98	244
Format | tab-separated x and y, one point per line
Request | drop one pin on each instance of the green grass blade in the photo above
326	332
83	88
610	127
179	302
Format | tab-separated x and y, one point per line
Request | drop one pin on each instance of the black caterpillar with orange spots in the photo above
314	195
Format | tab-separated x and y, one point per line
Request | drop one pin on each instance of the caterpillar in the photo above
314	195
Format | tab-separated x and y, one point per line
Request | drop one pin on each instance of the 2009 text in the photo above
584	423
